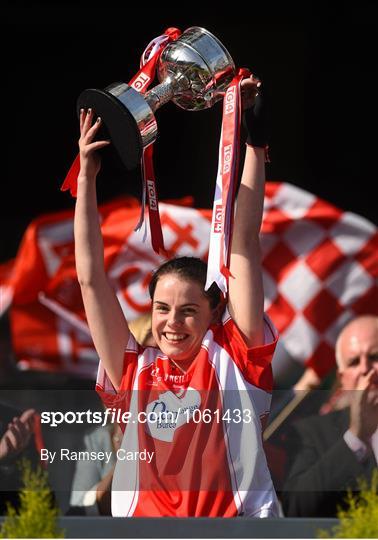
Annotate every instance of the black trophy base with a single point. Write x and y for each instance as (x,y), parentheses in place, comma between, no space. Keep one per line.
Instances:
(118,125)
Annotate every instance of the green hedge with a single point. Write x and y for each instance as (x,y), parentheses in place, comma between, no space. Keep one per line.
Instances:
(37,514)
(360,519)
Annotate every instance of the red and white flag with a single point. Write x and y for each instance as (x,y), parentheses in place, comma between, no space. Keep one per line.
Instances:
(320,267)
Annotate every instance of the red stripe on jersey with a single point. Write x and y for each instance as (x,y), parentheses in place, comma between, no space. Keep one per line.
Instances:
(253,362)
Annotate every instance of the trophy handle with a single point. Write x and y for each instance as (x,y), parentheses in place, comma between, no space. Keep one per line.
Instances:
(166,90)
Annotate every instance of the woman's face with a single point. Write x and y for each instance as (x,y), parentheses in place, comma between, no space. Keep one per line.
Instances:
(181,315)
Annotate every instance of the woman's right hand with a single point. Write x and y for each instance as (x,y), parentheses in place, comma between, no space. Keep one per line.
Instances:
(90,160)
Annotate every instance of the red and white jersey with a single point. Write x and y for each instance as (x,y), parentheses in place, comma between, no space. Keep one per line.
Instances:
(205,458)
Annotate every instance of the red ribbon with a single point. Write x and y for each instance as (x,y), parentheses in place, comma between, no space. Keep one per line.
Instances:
(140,82)
(152,201)
(70,182)
(225,191)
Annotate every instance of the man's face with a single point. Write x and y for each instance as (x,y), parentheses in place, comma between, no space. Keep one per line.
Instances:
(359,353)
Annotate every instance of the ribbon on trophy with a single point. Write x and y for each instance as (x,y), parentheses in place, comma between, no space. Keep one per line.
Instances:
(140,82)
(225,190)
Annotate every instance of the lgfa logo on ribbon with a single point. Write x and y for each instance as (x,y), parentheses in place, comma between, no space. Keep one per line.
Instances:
(229,101)
(227,158)
(218,215)
(140,82)
(152,200)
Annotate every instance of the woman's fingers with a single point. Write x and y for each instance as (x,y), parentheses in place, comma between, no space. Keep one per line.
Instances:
(87,122)
(93,130)
(81,118)
(96,145)
(249,90)
(84,124)
(89,159)
(251,82)
(90,133)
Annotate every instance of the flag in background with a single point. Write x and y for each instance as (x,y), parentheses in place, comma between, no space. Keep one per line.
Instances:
(320,268)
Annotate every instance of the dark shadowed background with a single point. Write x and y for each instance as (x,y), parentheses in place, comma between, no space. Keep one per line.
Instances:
(317,63)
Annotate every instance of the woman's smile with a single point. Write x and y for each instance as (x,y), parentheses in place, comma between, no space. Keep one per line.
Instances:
(174,338)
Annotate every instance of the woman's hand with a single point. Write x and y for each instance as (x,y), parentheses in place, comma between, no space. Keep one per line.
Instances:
(249,91)
(255,113)
(90,160)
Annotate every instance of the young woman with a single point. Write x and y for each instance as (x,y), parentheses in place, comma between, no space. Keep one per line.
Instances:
(210,369)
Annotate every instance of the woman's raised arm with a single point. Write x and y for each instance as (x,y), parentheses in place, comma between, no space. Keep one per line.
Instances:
(246,294)
(106,320)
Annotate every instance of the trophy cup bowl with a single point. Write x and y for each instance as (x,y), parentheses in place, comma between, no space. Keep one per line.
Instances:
(194,72)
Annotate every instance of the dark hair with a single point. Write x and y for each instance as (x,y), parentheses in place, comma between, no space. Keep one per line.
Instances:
(189,268)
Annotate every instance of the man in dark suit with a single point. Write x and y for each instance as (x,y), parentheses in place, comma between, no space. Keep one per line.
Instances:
(329,453)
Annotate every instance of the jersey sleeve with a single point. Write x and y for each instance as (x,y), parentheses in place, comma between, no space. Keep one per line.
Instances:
(104,387)
(253,362)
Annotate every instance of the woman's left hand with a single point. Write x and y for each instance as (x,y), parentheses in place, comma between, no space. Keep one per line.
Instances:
(249,90)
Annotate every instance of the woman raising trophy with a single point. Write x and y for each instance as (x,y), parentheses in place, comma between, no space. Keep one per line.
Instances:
(198,399)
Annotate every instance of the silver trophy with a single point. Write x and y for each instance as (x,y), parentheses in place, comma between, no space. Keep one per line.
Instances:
(194,72)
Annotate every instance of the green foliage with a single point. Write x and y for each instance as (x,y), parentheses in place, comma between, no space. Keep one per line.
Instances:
(37,514)
(360,518)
